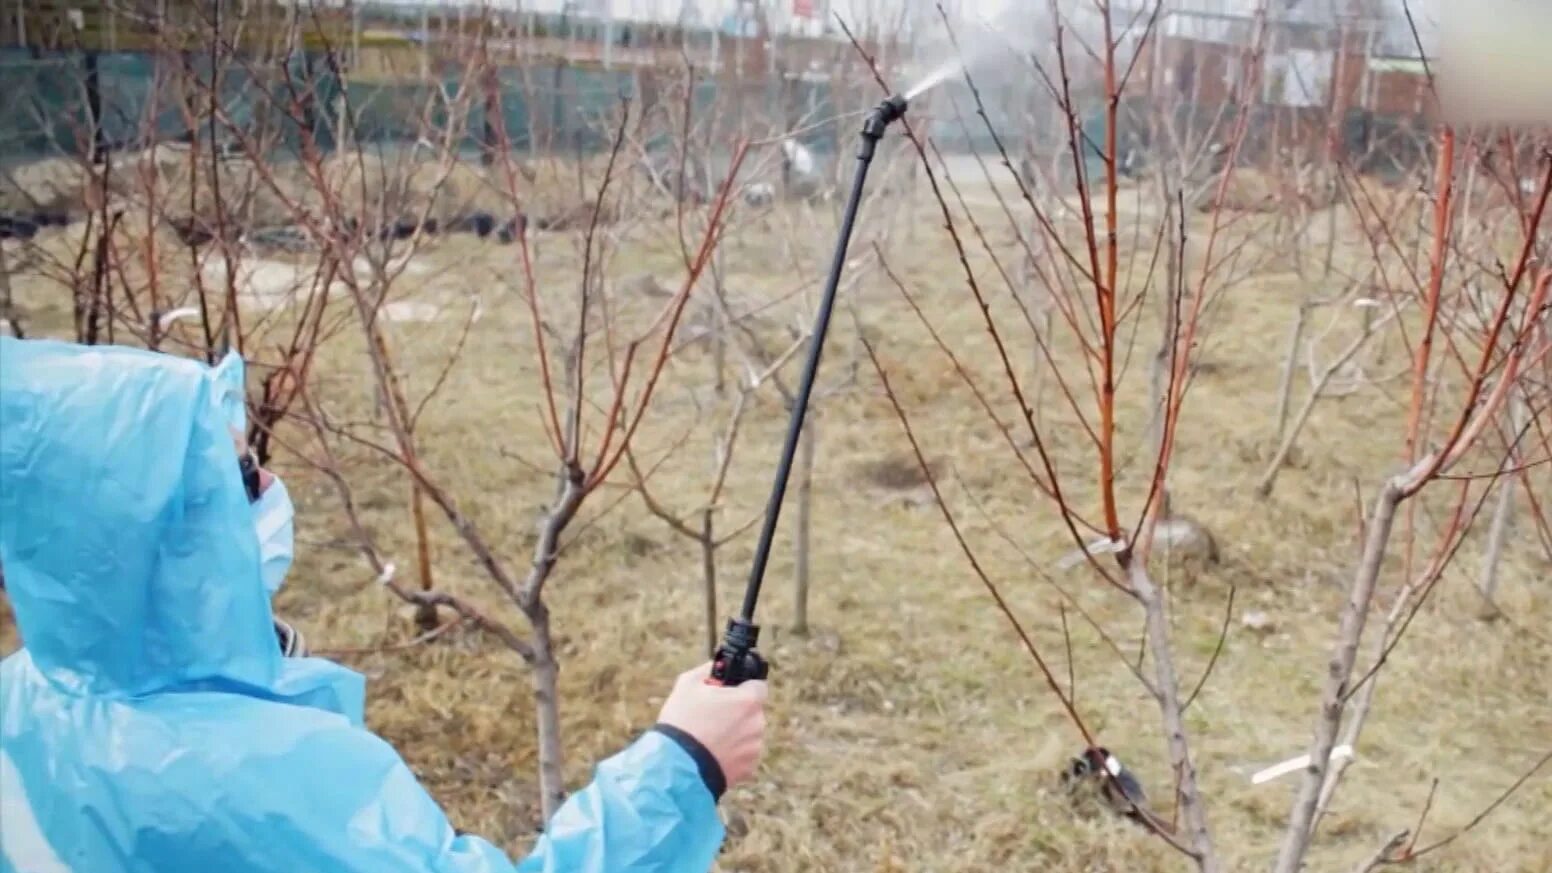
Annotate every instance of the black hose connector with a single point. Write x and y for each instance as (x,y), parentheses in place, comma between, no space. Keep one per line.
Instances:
(887,112)
(737,661)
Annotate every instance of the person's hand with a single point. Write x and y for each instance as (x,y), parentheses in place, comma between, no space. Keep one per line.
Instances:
(240,443)
(729,722)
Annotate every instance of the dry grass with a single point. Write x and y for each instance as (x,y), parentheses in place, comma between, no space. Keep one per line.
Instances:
(53,184)
(382,183)
(909,732)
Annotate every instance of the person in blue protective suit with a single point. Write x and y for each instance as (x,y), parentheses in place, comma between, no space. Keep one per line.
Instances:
(150,723)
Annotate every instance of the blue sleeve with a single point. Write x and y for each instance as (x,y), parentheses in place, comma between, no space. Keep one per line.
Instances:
(351,805)
(647,810)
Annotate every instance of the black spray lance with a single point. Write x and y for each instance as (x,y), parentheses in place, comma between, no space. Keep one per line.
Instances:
(737,660)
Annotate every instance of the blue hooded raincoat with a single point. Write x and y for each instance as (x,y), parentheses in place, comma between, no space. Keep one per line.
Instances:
(150,722)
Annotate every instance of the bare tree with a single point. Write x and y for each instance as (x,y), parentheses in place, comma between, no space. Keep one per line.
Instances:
(590,418)
(1097,303)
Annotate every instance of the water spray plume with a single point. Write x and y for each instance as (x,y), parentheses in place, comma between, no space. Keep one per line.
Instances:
(934,78)
(972,45)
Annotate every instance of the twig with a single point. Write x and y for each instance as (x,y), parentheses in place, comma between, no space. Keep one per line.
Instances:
(1497,802)
(1385,855)
(1072,679)
(1223,636)
(1422,818)
(421,639)
(1026,410)
(969,553)
(1067,596)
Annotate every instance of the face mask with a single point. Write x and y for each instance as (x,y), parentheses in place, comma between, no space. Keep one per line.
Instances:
(272,519)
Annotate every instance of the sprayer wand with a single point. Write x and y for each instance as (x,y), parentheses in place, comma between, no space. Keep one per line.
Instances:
(737,659)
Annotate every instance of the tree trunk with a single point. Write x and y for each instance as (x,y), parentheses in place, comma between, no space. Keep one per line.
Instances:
(1331,232)
(1326,177)
(489,137)
(719,325)
(1280,457)
(94,107)
(426,618)
(709,578)
(552,783)
(1290,366)
(425,47)
(8,313)
(1503,516)
(804,527)
(355,36)
(344,136)
(1163,357)
(1353,729)
(309,96)
(1333,698)
(1158,375)
(1503,513)
(530,599)
(1192,806)
(1039,299)
(1042,373)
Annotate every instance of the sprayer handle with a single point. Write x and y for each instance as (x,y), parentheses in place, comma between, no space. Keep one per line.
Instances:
(737,660)
(737,667)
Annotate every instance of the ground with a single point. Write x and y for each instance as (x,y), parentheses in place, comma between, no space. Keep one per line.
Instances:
(909,731)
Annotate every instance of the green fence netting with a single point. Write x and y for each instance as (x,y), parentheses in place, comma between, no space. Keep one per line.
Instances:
(144,97)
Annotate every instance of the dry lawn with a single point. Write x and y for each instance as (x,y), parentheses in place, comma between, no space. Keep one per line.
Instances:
(909,731)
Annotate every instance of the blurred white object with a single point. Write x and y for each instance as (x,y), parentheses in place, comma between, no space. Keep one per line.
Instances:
(760,194)
(1256,620)
(1299,763)
(1493,65)
(1096,548)
(798,157)
(411,311)
(173,316)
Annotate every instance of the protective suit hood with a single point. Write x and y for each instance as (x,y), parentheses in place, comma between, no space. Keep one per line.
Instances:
(126,455)
(149,723)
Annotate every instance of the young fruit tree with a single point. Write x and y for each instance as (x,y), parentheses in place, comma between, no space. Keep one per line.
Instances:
(598,378)
(1108,486)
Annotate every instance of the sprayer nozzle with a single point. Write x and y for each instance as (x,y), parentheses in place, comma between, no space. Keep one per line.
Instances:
(884,114)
